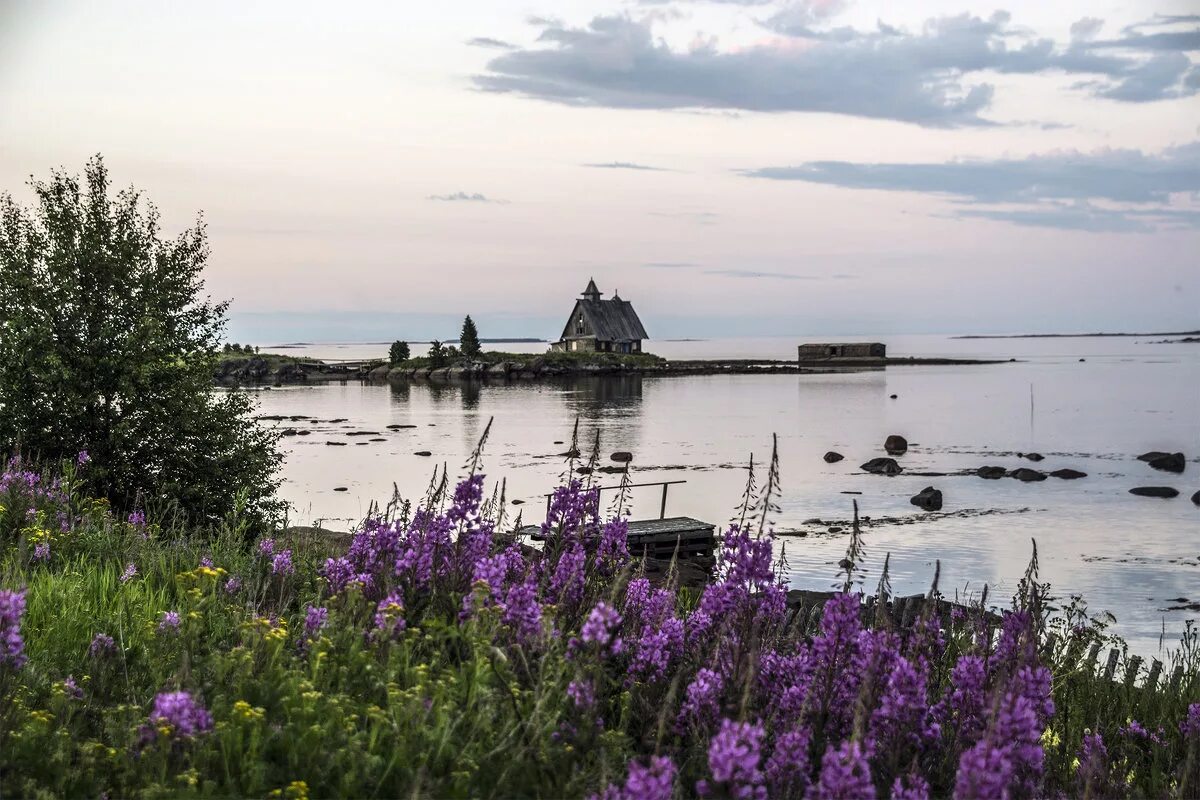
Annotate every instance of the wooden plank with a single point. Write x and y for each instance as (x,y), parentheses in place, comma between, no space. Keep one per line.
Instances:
(1131,670)
(1176,678)
(1092,656)
(1110,668)
(1152,679)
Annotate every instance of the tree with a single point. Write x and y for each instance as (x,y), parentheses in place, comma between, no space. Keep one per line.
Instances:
(468,340)
(398,352)
(107,345)
(436,354)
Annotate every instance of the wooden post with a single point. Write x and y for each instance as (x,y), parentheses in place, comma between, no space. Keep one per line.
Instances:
(1110,668)
(1176,678)
(1093,654)
(1152,678)
(662,511)
(1131,671)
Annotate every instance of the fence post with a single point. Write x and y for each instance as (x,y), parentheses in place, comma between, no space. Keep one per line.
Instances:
(1176,678)
(1131,670)
(1152,679)
(1110,668)
(662,511)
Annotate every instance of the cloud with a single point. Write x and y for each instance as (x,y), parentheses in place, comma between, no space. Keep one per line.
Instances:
(755,274)
(931,77)
(456,197)
(627,165)
(487,41)
(1053,190)
(670,264)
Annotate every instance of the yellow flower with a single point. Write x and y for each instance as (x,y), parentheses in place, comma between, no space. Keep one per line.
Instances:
(1074,765)
(1050,738)
(297,790)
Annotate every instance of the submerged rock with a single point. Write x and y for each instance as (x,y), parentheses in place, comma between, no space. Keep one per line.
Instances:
(883,466)
(422,453)
(1196,498)
(895,445)
(1031,456)
(929,499)
(832,458)
(336,444)
(1027,475)
(1152,455)
(1169,462)
(1164,492)
(991,473)
(341,489)
(1068,474)
(622,456)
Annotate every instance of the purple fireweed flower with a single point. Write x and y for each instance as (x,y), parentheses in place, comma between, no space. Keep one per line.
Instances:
(389,616)
(282,564)
(902,718)
(1093,774)
(655,650)
(136,518)
(653,782)
(266,547)
(181,714)
(521,611)
(233,585)
(206,561)
(572,509)
(962,708)
(984,772)
(845,775)
(601,627)
(1191,723)
(102,645)
(613,550)
(82,458)
(169,623)
(702,704)
(130,572)
(12,646)
(734,754)
(837,663)
(566,584)
(315,618)
(41,552)
(1136,730)
(467,496)
(910,787)
(787,768)
(71,688)
(582,694)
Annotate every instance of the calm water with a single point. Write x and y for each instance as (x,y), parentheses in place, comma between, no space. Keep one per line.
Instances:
(1126,554)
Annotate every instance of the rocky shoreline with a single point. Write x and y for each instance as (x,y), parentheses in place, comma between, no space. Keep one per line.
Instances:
(258,371)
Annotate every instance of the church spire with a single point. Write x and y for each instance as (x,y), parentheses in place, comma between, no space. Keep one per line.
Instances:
(591,292)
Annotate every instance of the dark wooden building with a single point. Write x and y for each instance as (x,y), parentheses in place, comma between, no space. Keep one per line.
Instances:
(603,326)
(825,351)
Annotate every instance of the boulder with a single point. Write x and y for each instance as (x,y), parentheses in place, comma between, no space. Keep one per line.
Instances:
(572,453)
(1031,456)
(1027,475)
(291,373)
(991,473)
(422,453)
(832,458)
(499,370)
(622,456)
(397,375)
(336,444)
(1196,498)
(894,396)
(1152,455)
(442,374)
(882,466)
(1068,474)
(583,470)
(341,489)
(1169,462)
(929,499)
(257,368)
(457,373)
(1155,491)
(288,432)
(379,373)
(895,445)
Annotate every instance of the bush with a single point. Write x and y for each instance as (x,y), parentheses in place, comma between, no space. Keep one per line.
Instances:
(398,353)
(437,355)
(107,346)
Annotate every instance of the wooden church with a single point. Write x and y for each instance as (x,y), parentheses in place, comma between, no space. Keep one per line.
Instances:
(602,326)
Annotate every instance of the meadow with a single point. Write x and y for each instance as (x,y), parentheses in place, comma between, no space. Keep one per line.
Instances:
(436,654)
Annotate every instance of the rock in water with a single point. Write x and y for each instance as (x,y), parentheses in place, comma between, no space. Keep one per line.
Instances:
(1031,456)
(572,453)
(1196,498)
(622,456)
(832,458)
(422,453)
(991,473)
(1169,462)
(1155,491)
(341,489)
(895,445)
(1027,475)
(929,498)
(1153,454)
(1068,474)
(883,466)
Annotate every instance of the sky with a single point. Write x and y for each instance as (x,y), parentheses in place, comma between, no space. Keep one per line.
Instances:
(375,170)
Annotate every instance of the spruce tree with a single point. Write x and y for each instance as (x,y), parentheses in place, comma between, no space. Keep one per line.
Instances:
(468,340)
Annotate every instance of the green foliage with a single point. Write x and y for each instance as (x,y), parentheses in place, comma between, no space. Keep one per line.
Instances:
(468,340)
(437,355)
(107,345)
(398,353)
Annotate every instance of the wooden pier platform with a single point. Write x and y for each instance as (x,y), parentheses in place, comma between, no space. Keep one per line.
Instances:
(682,537)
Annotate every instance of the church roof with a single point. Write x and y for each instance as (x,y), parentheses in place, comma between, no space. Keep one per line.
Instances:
(591,287)
(613,320)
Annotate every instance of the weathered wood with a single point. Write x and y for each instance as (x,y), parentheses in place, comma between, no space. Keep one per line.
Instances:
(814,619)
(1048,647)
(1110,669)
(1131,670)
(1152,679)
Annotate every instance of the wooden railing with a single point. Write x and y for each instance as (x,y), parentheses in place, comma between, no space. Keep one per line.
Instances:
(662,510)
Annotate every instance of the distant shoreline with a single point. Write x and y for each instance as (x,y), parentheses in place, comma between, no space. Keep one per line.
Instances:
(1070,335)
